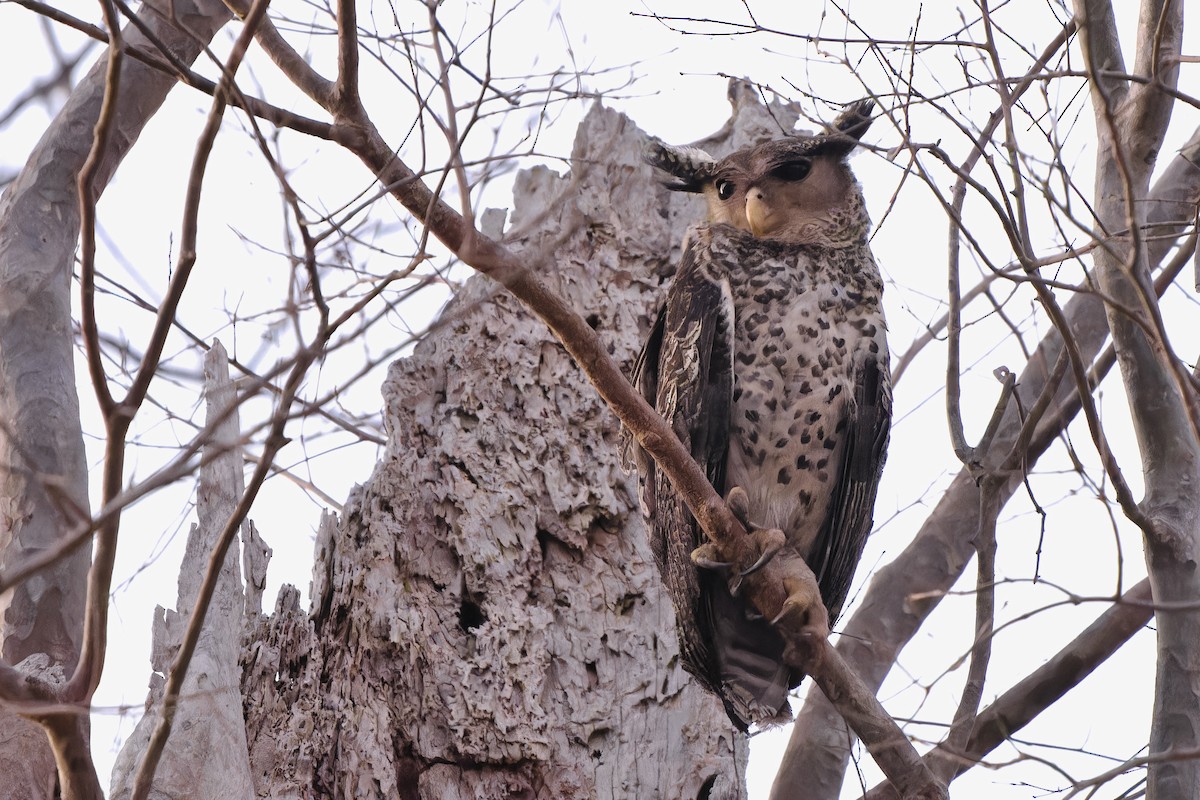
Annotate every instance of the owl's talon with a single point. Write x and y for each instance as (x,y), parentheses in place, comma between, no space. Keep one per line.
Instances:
(803,608)
(789,607)
(706,556)
(771,542)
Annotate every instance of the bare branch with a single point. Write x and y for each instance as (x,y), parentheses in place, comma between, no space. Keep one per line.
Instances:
(1032,695)
(118,417)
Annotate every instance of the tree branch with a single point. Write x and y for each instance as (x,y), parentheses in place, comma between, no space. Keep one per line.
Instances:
(1043,687)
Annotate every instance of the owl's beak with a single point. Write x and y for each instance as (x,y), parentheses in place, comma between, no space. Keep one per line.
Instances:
(758,212)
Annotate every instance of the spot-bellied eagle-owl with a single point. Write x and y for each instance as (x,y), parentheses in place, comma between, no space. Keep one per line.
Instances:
(770,362)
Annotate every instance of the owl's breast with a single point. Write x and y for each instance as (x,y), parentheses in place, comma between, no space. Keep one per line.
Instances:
(802,329)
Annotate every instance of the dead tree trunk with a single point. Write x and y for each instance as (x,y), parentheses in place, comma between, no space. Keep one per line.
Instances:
(486,618)
(210,737)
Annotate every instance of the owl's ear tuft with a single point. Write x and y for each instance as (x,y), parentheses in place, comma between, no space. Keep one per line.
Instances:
(854,119)
(843,134)
(690,165)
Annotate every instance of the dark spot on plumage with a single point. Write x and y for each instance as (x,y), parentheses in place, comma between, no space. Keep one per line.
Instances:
(767,295)
(823,323)
(751,415)
(779,361)
(821,433)
(805,438)
(818,372)
(772,404)
(823,476)
(834,392)
(793,429)
(753,436)
(806,498)
(768,383)
(760,458)
(784,476)
(802,462)
(747,358)
(775,330)
(813,417)
(781,442)
(770,348)
(841,425)
(873,347)
(804,388)
(830,443)
(839,342)
(822,463)
(824,361)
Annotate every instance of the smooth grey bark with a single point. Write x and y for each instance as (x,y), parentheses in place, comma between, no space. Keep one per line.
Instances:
(1131,120)
(207,757)
(486,618)
(819,750)
(41,445)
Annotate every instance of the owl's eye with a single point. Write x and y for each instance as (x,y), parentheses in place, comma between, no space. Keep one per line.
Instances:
(793,170)
(725,189)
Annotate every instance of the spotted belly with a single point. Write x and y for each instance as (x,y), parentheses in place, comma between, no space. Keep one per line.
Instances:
(787,433)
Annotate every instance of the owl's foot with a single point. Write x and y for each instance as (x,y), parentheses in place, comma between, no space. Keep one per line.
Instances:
(803,606)
(749,553)
(802,610)
(803,613)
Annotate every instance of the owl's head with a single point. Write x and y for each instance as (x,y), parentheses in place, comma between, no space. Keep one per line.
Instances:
(795,189)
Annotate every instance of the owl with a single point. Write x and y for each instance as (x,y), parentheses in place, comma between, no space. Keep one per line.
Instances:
(770,361)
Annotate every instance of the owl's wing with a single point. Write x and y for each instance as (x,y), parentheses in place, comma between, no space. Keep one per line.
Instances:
(685,371)
(840,543)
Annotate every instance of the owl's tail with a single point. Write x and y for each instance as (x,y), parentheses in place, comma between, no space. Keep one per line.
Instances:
(754,680)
